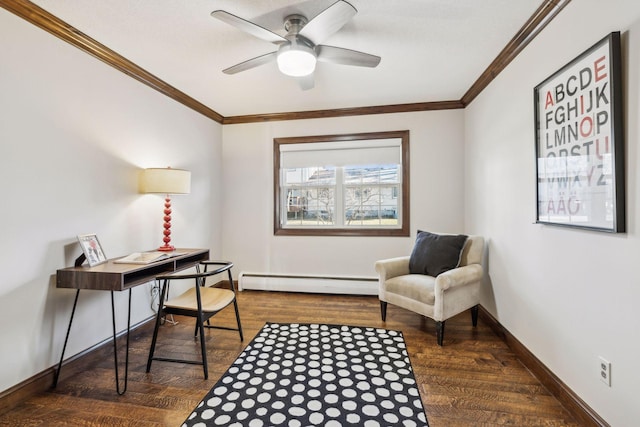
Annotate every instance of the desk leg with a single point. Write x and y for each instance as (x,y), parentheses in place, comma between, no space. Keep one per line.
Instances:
(115,345)
(64,347)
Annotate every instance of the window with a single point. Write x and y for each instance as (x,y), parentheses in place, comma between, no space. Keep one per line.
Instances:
(346,185)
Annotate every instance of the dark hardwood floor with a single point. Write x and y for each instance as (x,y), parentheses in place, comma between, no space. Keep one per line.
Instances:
(473,380)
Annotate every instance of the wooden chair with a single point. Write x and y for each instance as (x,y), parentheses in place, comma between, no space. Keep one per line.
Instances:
(198,301)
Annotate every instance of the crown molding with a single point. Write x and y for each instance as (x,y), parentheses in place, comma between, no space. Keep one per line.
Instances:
(344,112)
(54,25)
(540,19)
(39,17)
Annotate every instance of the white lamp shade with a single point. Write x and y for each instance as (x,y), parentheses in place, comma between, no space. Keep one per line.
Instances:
(165,181)
(296,60)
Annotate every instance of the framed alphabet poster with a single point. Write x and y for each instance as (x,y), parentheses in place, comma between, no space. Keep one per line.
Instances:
(579,142)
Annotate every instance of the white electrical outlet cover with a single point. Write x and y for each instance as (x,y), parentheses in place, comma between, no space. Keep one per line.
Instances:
(605,371)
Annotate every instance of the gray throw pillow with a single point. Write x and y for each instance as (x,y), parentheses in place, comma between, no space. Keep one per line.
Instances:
(434,254)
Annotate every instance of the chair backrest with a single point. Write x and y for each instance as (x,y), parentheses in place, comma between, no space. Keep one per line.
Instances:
(472,251)
(201,276)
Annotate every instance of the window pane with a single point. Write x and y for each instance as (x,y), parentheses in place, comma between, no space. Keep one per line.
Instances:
(321,202)
(296,205)
(371,174)
(309,176)
(369,199)
(309,194)
(370,206)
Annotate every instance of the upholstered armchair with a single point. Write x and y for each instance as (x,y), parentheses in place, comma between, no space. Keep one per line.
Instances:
(438,296)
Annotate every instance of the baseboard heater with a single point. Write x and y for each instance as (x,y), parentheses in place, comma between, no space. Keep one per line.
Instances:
(352,285)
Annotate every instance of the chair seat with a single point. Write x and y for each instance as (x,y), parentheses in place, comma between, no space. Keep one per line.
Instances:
(213,299)
(418,287)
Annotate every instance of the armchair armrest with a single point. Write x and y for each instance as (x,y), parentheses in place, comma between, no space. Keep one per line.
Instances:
(393,267)
(460,276)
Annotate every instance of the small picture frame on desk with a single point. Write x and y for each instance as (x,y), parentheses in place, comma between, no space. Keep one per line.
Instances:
(92,249)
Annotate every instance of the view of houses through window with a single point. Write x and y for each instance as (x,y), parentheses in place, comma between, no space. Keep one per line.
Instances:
(356,184)
(349,196)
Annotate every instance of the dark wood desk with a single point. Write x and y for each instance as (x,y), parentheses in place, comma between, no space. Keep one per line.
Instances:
(112,276)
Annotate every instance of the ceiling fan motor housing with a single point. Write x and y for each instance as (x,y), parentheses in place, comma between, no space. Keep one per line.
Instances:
(294,23)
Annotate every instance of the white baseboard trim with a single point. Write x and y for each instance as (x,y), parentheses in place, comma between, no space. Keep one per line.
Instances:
(308,283)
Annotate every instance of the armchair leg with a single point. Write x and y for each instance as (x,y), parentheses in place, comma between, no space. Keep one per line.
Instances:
(440,332)
(383,310)
(474,315)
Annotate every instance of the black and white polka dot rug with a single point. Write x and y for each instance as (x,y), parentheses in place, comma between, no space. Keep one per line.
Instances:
(316,375)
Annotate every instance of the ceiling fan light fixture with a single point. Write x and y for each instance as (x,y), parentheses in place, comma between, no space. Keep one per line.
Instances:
(296,60)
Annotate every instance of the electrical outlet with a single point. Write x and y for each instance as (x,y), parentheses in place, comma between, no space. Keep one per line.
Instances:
(605,371)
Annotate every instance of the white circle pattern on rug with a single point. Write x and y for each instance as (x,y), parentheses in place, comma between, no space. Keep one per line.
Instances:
(313,374)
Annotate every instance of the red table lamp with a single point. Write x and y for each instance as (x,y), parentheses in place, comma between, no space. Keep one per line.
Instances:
(166,181)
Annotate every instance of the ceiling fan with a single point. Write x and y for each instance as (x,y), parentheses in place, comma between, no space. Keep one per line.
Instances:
(300,48)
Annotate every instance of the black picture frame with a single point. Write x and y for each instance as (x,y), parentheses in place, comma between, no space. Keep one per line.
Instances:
(579,142)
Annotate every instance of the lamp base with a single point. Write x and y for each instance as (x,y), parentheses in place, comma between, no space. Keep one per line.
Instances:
(167,247)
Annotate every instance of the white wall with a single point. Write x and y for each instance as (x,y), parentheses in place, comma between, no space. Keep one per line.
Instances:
(436,180)
(568,295)
(73,135)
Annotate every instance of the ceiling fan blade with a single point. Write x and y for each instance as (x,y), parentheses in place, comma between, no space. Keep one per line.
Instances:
(306,82)
(328,21)
(248,27)
(339,55)
(251,63)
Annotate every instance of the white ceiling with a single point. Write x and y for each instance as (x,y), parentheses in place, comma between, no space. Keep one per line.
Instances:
(432,50)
